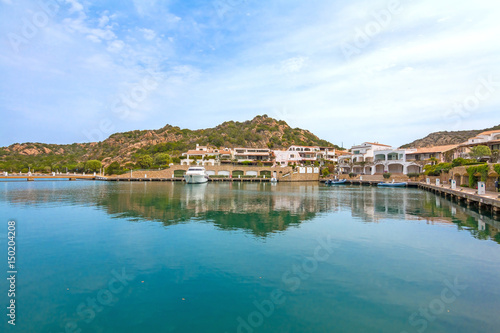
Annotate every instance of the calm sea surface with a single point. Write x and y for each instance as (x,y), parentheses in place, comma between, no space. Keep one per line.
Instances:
(171,257)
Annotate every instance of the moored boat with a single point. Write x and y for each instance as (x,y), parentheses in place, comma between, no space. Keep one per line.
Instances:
(196,175)
(392,184)
(336,182)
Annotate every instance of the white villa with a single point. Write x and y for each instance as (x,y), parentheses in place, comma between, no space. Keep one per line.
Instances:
(488,138)
(361,158)
(252,154)
(301,154)
(202,155)
(395,161)
(374,158)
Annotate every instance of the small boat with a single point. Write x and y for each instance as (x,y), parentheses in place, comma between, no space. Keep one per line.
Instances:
(274,180)
(392,184)
(196,175)
(336,181)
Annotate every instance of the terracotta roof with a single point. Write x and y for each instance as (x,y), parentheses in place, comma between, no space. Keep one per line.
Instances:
(490,132)
(253,154)
(435,149)
(304,146)
(377,144)
(196,152)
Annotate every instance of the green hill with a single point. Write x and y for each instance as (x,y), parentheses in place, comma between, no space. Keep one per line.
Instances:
(126,147)
(446,138)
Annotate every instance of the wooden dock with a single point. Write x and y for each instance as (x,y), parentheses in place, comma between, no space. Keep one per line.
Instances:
(489,202)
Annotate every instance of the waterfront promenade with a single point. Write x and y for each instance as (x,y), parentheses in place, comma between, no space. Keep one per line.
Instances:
(47,177)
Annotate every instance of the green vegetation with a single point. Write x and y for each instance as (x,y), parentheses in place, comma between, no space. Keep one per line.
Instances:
(462,161)
(113,169)
(438,169)
(413,175)
(473,170)
(93,166)
(496,167)
(325,172)
(145,161)
(387,175)
(162,159)
(446,138)
(130,148)
(479,152)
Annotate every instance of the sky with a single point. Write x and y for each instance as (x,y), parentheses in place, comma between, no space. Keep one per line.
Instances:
(348,71)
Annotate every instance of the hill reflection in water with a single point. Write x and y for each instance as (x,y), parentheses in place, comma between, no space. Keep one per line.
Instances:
(259,208)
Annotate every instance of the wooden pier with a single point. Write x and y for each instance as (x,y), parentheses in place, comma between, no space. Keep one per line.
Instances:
(489,202)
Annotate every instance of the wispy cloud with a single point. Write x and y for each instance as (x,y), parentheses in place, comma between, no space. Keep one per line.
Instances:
(256,58)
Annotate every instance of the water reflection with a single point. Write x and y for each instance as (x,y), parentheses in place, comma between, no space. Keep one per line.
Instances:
(258,208)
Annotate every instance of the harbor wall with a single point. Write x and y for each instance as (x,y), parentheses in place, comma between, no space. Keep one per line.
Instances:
(284,174)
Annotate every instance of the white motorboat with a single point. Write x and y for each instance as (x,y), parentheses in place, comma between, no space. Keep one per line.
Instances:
(196,175)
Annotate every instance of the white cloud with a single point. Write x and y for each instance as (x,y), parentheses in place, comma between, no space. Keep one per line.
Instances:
(293,65)
(76,7)
(148,33)
(116,46)
(282,60)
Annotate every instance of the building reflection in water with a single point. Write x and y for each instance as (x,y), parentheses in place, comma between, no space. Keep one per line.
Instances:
(260,208)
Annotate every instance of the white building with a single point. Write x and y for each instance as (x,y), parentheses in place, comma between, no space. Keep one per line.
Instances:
(374,158)
(361,158)
(252,154)
(302,154)
(395,161)
(202,155)
(488,138)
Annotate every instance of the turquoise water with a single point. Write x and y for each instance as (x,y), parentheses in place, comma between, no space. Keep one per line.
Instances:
(171,257)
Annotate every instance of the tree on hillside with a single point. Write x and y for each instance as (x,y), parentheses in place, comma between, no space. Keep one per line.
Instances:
(479,152)
(162,159)
(113,168)
(145,161)
(93,165)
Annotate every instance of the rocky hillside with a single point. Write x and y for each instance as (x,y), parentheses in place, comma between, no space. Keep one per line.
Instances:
(262,131)
(446,138)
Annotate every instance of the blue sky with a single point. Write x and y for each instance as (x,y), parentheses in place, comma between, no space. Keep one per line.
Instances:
(385,71)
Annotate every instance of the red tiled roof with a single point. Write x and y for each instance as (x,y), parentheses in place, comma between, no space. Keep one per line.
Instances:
(377,144)
(196,152)
(489,132)
(435,149)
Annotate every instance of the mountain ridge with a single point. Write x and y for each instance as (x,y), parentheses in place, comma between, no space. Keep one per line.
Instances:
(126,147)
(443,138)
